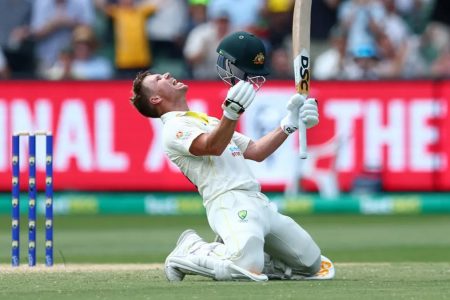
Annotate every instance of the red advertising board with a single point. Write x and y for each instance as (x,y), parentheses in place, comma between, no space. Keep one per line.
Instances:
(102,143)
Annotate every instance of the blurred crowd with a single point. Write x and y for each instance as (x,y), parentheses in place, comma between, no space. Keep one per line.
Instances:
(109,39)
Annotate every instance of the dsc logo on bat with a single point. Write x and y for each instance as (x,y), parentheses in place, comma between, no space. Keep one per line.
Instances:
(302,73)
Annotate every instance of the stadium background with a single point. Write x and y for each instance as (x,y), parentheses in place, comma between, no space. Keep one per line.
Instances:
(376,187)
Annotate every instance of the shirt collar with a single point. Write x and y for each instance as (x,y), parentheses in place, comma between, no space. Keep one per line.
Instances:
(173,114)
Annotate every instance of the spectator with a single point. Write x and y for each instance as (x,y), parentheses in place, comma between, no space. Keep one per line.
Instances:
(52,23)
(330,63)
(281,64)
(441,66)
(132,52)
(403,57)
(392,43)
(61,70)
(244,15)
(4,72)
(202,41)
(362,63)
(167,28)
(439,32)
(197,13)
(278,16)
(324,14)
(407,6)
(392,57)
(363,20)
(87,64)
(394,26)
(439,39)
(433,41)
(416,13)
(15,38)
(81,61)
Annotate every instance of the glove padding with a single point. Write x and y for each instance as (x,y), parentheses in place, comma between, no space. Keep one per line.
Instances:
(300,107)
(309,113)
(239,97)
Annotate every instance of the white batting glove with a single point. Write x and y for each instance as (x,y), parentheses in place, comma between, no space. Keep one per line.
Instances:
(289,123)
(239,97)
(300,107)
(309,113)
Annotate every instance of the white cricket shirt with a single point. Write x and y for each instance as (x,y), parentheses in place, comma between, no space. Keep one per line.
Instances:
(213,175)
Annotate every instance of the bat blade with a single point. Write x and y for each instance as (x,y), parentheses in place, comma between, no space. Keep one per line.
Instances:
(301,30)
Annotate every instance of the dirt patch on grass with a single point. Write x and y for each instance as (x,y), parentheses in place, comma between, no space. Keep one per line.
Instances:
(134,267)
(82,268)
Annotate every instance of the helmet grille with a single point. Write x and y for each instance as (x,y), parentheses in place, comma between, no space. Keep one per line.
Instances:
(231,74)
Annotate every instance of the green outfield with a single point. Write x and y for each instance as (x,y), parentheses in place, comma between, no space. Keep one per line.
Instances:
(377,257)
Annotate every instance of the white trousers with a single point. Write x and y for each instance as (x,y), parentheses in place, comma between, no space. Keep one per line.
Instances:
(250,225)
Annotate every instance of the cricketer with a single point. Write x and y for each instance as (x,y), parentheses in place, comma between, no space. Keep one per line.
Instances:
(255,241)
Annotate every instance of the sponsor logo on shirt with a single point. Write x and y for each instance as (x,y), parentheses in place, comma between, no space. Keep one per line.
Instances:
(182,135)
(235,151)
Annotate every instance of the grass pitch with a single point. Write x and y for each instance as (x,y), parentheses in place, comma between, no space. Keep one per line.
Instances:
(377,257)
(354,281)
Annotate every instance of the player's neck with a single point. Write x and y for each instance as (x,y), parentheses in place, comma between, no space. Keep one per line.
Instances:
(181,106)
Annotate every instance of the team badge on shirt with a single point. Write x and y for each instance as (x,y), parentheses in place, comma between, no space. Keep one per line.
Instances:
(242,215)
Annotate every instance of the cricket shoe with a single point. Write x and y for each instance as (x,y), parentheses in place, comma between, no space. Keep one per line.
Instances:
(326,271)
(183,247)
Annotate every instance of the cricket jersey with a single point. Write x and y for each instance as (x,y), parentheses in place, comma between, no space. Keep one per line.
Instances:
(212,175)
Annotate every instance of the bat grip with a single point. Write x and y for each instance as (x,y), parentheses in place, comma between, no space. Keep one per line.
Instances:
(303,149)
(303,145)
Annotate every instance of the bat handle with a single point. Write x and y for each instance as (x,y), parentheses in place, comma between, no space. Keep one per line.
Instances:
(303,149)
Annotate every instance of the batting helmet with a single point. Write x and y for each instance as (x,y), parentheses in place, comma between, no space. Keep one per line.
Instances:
(242,56)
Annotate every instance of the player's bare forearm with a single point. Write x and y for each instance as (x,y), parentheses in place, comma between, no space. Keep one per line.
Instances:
(214,142)
(261,149)
(239,97)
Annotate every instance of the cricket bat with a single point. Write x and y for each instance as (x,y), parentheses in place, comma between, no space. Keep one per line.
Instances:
(301,24)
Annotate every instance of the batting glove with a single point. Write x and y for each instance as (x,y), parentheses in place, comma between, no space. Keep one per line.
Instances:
(300,107)
(289,123)
(239,97)
(309,113)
